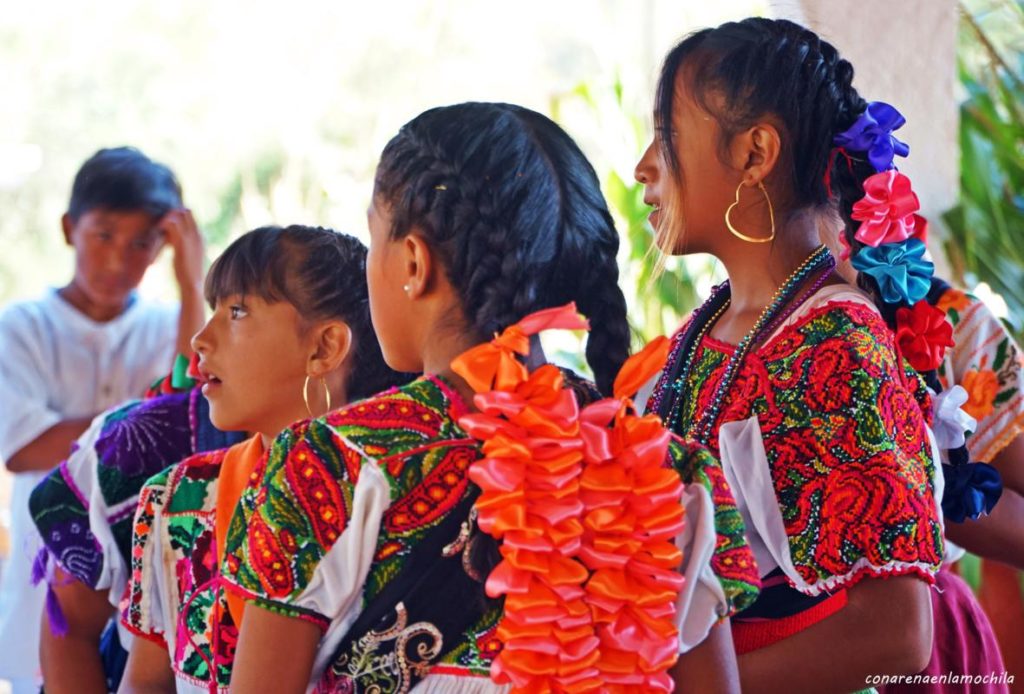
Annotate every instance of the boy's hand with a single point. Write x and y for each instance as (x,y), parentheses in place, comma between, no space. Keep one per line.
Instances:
(183,235)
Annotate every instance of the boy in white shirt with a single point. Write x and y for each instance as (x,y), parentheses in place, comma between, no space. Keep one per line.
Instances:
(81,349)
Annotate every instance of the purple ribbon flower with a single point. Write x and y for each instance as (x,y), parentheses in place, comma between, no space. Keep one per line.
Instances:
(872,133)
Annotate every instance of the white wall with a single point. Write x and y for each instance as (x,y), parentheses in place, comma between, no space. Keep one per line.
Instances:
(903,53)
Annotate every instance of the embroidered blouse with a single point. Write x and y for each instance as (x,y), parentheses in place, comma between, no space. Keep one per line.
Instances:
(175,597)
(84,508)
(988,363)
(824,444)
(345,499)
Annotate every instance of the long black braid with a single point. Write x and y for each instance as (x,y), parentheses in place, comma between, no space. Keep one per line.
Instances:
(515,212)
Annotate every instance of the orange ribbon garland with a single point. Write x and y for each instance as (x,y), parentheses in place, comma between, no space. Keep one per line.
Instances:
(587,511)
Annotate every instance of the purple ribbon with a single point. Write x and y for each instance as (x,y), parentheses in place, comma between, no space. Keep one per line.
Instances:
(872,133)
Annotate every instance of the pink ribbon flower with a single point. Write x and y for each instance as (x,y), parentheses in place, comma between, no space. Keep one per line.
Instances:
(886,212)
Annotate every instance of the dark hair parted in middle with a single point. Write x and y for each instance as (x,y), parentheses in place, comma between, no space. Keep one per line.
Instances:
(322,273)
(515,212)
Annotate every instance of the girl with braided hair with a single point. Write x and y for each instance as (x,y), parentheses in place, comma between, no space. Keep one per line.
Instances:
(791,375)
(357,548)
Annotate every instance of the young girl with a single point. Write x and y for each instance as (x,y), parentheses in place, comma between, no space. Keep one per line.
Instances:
(349,549)
(84,511)
(790,374)
(289,335)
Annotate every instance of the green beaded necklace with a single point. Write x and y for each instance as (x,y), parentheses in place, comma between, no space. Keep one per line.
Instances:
(771,316)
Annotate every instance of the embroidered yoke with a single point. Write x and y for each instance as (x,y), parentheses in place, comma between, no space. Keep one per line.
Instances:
(174,598)
(824,444)
(346,498)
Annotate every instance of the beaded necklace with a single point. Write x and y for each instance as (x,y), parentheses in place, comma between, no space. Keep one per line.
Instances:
(778,310)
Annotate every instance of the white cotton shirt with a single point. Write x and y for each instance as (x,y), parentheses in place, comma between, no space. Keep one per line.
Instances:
(56,364)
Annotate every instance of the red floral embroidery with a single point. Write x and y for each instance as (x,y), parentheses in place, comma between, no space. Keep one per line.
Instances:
(861,503)
(901,416)
(829,367)
(843,429)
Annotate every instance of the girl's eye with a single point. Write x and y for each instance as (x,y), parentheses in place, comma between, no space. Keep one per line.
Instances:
(238,311)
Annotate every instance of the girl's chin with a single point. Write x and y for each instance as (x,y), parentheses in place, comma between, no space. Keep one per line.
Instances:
(224,420)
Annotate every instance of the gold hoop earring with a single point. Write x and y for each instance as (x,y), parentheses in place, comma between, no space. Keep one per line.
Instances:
(305,394)
(771,216)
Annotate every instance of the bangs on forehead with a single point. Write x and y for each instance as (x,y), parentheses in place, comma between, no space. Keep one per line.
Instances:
(256,264)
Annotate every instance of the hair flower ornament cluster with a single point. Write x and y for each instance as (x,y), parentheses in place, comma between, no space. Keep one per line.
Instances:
(892,254)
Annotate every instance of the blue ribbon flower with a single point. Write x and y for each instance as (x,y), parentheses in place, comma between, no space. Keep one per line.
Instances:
(971,490)
(872,133)
(902,273)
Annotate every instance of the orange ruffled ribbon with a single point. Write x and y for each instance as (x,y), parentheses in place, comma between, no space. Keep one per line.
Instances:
(586,509)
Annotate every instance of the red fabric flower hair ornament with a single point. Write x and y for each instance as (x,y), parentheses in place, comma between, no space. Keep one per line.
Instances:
(923,335)
(587,511)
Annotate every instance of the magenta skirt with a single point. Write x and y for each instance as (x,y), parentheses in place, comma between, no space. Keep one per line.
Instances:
(963,644)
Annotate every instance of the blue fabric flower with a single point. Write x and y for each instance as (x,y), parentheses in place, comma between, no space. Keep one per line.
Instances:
(872,133)
(902,273)
(971,490)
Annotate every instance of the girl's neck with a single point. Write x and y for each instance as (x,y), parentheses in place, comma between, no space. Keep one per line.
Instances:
(756,271)
(438,354)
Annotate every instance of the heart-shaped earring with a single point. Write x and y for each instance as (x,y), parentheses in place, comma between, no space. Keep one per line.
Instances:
(771,216)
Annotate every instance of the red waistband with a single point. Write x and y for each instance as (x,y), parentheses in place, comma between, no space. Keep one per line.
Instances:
(752,635)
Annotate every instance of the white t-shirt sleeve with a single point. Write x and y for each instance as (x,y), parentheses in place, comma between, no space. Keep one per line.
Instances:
(24,396)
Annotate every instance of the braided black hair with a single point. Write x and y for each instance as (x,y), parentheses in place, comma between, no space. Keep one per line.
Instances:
(741,72)
(514,211)
(322,273)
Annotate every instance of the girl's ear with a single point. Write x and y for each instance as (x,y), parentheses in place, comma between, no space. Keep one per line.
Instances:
(419,266)
(332,343)
(755,152)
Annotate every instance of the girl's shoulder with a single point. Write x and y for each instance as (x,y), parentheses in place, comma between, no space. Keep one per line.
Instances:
(395,421)
(838,315)
(189,478)
(838,305)
(145,436)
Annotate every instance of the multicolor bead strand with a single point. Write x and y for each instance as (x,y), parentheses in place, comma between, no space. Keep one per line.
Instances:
(780,300)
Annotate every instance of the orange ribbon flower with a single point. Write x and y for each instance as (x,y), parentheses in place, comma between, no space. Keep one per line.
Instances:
(587,511)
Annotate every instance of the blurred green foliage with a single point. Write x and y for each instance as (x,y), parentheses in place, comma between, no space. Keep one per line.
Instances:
(986,242)
(658,300)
